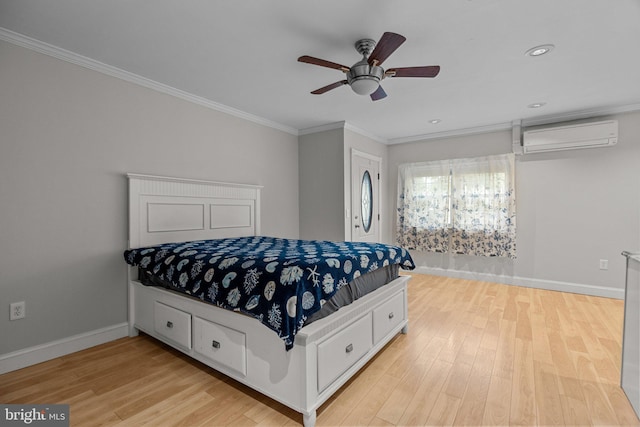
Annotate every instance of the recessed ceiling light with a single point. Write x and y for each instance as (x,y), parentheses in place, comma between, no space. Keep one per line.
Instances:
(537,105)
(435,121)
(539,50)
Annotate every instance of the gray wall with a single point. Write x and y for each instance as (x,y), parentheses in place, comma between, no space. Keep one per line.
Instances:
(67,137)
(573,209)
(325,181)
(321,185)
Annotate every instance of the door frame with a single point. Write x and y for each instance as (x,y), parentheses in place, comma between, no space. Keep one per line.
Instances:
(350,221)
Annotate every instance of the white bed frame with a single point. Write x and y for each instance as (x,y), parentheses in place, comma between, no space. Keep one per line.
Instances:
(326,353)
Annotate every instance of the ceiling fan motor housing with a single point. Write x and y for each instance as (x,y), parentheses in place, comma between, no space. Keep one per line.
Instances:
(363,78)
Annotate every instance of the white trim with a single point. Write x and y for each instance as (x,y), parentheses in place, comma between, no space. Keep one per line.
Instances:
(583,114)
(366,156)
(41,353)
(527,282)
(321,128)
(190,180)
(349,235)
(572,115)
(363,132)
(451,133)
(83,61)
(342,125)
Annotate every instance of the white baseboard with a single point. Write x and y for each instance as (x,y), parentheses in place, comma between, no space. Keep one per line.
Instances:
(550,285)
(41,353)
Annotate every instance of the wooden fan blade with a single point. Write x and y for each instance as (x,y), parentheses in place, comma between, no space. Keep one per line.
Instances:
(323,63)
(388,43)
(327,88)
(378,94)
(429,71)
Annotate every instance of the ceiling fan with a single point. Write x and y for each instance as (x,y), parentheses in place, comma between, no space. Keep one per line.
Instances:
(365,76)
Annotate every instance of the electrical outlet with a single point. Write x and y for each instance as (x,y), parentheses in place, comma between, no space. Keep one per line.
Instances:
(17,310)
(604,264)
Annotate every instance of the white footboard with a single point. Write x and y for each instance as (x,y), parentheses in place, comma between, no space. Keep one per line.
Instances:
(325,355)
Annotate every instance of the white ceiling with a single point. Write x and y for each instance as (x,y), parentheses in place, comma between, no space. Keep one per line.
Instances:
(242,56)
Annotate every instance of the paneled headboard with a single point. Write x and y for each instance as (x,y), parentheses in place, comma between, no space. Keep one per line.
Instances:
(165,209)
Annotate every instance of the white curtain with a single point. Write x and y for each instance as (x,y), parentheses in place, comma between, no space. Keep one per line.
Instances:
(462,206)
(424,206)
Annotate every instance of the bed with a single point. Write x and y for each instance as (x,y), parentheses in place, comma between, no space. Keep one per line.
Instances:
(285,351)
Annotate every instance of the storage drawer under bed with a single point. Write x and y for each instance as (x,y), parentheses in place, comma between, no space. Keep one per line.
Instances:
(221,344)
(172,324)
(343,350)
(387,316)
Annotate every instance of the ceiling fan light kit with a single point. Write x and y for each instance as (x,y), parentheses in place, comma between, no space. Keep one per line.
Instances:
(365,76)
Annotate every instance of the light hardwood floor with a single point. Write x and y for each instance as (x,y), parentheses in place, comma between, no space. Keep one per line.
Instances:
(476,353)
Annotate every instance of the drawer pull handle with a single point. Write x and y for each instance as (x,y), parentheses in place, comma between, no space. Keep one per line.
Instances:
(169,324)
(349,348)
(215,344)
(391,315)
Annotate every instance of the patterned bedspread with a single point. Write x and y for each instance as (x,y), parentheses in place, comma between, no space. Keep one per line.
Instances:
(278,281)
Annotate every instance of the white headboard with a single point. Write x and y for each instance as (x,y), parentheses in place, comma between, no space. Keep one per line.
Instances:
(164,209)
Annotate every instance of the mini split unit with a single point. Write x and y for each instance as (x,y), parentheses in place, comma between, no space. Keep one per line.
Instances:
(570,136)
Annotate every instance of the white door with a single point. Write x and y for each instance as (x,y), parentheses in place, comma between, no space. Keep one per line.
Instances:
(365,197)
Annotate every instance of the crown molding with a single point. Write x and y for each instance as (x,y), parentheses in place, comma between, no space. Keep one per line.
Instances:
(322,128)
(342,125)
(74,58)
(581,114)
(452,133)
(364,133)
(553,118)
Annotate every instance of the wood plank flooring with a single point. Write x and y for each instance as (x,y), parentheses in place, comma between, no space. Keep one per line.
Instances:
(476,353)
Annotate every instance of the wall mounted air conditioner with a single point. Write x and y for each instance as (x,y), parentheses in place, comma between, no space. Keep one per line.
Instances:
(570,137)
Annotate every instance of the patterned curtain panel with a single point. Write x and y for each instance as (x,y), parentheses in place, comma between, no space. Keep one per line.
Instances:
(424,206)
(484,206)
(462,206)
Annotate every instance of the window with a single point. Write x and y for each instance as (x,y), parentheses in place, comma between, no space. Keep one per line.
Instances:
(462,206)
(366,202)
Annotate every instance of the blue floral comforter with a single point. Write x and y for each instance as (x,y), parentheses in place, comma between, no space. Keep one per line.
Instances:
(278,281)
